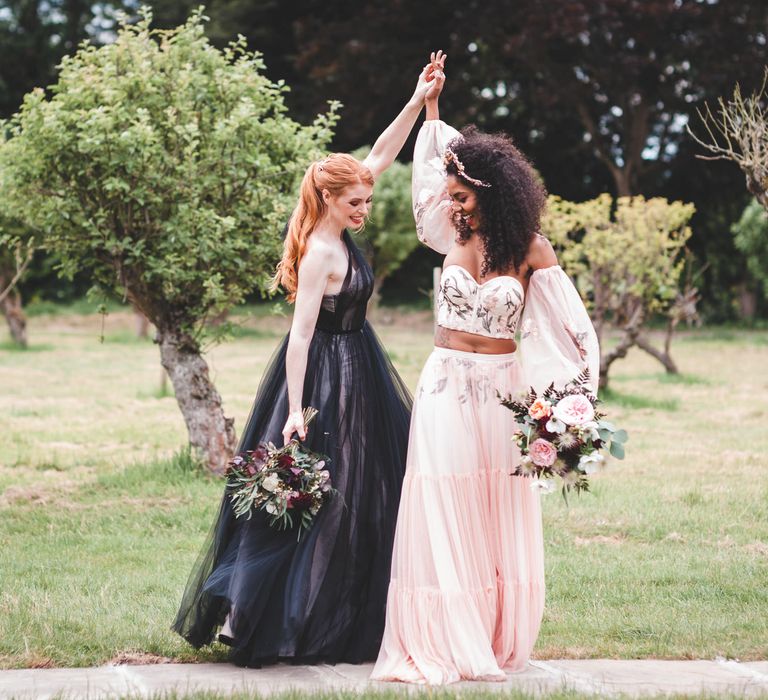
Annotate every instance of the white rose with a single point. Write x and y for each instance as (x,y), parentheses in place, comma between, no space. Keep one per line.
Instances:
(271,509)
(271,482)
(555,425)
(590,430)
(591,463)
(543,486)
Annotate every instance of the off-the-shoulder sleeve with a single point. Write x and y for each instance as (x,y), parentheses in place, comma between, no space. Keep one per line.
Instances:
(431,205)
(557,337)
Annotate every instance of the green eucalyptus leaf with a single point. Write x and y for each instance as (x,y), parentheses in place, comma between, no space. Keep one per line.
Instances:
(620,436)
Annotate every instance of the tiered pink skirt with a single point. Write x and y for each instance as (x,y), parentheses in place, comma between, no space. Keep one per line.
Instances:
(467,590)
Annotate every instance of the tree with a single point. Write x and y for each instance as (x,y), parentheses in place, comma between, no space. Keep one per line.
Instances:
(390,231)
(17,248)
(751,238)
(164,167)
(739,132)
(627,262)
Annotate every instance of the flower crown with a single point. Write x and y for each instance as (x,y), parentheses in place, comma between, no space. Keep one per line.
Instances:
(449,156)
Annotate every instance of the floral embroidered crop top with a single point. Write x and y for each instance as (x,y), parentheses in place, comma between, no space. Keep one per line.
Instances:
(491,309)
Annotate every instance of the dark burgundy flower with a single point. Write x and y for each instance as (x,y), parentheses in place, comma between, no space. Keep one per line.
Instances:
(285,461)
(302,501)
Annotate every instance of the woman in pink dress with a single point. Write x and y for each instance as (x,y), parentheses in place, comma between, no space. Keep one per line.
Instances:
(466,595)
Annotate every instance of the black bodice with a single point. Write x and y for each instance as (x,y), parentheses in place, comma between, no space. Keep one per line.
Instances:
(345,312)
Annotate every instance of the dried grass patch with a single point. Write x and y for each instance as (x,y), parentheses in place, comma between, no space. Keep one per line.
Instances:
(599,539)
(137,658)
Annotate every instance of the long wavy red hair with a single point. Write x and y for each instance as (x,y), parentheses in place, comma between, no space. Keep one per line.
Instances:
(334,173)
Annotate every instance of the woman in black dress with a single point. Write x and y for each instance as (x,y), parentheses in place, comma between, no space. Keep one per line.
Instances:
(321,599)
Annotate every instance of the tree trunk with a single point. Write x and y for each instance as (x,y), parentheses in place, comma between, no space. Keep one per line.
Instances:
(756,185)
(600,303)
(375,310)
(621,174)
(219,319)
(631,332)
(747,302)
(211,433)
(373,302)
(13,311)
(623,181)
(684,309)
(142,324)
(662,356)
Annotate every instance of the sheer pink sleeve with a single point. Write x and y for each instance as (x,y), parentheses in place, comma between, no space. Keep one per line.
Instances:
(431,205)
(557,338)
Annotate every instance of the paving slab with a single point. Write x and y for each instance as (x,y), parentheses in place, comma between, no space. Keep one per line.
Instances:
(760,668)
(658,677)
(603,677)
(103,682)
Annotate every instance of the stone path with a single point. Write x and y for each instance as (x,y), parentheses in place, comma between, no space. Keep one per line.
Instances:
(604,677)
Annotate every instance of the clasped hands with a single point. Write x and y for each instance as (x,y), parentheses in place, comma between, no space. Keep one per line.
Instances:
(431,79)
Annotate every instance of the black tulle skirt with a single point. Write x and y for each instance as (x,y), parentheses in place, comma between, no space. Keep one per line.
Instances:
(322,598)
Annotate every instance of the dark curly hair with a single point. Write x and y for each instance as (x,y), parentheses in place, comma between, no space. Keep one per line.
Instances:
(511,208)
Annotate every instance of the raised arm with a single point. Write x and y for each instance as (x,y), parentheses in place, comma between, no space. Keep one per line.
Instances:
(313,277)
(431,204)
(391,141)
(437,60)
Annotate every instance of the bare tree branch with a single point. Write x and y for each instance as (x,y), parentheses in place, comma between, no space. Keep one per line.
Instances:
(739,132)
(22,263)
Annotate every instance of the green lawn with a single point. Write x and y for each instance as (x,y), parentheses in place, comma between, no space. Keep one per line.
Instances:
(102,515)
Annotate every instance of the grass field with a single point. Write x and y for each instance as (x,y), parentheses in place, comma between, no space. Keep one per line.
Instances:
(102,514)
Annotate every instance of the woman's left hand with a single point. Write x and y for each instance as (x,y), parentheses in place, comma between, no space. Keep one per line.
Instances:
(294,424)
(430,73)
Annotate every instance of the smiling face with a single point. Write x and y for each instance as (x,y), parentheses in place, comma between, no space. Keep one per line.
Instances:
(350,208)
(464,201)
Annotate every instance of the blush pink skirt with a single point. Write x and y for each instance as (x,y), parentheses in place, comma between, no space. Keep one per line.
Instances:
(466,595)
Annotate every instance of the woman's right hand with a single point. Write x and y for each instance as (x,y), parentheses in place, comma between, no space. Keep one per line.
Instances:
(294,424)
(436,72)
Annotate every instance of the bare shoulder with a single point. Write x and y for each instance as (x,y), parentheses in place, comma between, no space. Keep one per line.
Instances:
(540,253)
(317,256)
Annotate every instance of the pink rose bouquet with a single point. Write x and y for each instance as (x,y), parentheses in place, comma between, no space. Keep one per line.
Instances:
(562,434)
(288,483)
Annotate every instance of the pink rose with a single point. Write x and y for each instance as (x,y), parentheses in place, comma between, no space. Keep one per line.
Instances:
(540,408)
(575,409)
(542,452)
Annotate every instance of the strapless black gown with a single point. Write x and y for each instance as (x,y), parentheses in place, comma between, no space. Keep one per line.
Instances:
(321,599)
